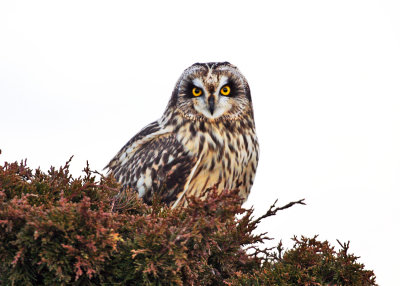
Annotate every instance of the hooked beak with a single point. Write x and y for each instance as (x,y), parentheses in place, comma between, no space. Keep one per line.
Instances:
(211,102)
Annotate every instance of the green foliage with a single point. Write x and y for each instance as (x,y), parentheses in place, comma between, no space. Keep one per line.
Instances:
(309,262)
(56,229)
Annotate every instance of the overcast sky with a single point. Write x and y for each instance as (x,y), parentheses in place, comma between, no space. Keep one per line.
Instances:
(82,77)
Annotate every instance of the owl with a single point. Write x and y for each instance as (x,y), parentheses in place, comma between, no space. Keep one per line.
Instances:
(205,138)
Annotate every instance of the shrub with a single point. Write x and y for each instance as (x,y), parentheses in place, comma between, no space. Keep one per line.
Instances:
(56,229)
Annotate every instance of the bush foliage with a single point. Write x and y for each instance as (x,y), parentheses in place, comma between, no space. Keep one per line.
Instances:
(56,229)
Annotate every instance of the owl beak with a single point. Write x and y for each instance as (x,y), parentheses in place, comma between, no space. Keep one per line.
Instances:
(211,102)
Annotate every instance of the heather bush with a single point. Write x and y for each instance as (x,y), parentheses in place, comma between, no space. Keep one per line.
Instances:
(56,229)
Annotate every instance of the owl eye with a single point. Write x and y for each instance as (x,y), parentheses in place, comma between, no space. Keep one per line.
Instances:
(225,90)
(196,91)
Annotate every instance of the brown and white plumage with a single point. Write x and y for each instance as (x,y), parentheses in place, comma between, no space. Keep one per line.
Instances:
(205,137)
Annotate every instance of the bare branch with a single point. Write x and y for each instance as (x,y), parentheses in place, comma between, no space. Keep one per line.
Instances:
(273,209)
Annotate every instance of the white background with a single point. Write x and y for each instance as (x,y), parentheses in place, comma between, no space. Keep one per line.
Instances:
(81,78)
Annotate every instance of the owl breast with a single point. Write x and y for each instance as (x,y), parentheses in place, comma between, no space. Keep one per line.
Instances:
(226,156)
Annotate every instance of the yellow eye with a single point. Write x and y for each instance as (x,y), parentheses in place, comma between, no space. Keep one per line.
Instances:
(226,90)
(196,91)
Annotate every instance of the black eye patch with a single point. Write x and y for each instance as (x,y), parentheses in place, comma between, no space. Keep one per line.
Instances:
(234,91)
(192,90)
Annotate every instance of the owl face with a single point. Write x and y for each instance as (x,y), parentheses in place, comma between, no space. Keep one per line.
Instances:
(212,91)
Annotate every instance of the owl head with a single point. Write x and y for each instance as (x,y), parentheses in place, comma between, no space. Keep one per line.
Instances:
(211,92)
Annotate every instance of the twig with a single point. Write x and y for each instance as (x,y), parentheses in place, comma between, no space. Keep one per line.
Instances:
(273,210)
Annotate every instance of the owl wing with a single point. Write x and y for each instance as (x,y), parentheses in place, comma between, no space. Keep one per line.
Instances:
(153,161)
(135,141)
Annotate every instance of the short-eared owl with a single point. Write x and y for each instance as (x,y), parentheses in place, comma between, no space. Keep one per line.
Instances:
(205,137)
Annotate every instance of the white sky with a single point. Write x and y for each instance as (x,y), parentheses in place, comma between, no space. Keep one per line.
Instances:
(82,77)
